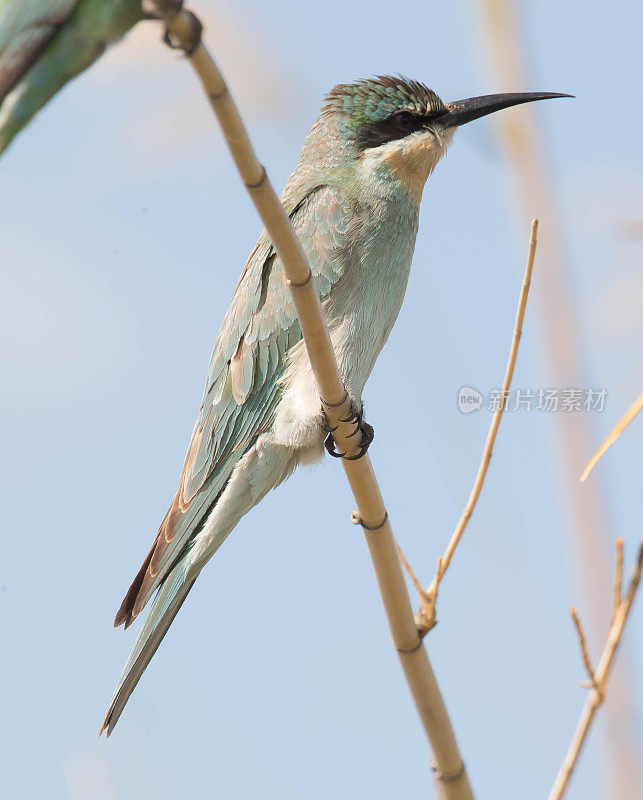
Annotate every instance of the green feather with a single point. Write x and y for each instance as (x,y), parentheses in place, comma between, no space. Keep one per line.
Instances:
(375,99)
(62,52)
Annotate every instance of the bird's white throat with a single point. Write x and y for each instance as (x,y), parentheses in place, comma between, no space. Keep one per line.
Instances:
(410,160)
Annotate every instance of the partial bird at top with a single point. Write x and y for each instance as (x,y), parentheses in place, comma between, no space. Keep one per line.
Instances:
(354,202)
(46,43)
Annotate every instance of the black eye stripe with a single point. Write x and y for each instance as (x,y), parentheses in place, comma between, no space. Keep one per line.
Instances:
(397,126)
(404,119)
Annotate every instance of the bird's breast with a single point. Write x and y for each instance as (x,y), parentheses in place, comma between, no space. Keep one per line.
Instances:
(364,304)
(360,310)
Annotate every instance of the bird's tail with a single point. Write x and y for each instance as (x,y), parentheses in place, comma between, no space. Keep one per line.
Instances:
(257,473)
(166,606)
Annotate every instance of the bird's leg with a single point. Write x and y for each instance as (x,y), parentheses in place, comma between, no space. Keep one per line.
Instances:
(363,428)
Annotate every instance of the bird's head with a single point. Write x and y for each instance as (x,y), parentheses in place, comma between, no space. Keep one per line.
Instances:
(403,126)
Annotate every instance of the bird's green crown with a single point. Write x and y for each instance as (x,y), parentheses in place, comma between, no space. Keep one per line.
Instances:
(377,110)
(374,99)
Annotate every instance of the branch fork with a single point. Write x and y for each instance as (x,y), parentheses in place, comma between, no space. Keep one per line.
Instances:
(598,678)
(425,618)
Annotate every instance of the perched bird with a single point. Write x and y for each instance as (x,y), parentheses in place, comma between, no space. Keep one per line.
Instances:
(46,43)
(354,202)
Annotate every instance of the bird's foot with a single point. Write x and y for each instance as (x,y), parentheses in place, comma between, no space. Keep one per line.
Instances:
(363,428)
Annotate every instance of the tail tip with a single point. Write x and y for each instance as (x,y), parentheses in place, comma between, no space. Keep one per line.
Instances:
(124,618)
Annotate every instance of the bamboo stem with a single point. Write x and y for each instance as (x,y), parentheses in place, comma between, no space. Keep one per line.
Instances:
(598,677)
(452,782)
(426,616)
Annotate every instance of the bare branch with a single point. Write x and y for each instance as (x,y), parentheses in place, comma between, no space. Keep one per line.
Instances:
(613,435)
(600,677)
(452,783)
(412,576)
(618,578)
(426,616)
(582,643)
(527,160)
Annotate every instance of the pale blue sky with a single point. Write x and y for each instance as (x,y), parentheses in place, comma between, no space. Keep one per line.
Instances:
(123,231)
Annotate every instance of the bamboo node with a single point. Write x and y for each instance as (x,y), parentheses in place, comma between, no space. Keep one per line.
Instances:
(440,776)
(193,38)
(214,96)
(357,520)
(301,284)
(262,180)
(409,650)
(336,405)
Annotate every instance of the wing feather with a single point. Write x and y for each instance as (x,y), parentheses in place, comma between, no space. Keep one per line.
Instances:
(242,387)
(26,27)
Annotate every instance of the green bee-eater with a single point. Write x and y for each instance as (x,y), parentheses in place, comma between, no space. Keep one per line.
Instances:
(354,201)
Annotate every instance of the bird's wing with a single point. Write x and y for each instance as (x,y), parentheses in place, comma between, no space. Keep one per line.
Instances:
(243,379)
(26,26)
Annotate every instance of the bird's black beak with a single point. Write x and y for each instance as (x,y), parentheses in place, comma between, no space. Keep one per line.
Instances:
(460,112)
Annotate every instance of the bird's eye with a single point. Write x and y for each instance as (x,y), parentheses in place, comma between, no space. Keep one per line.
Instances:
(405,120)
(396,126)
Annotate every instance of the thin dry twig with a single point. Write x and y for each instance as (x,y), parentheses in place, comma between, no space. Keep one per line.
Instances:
(523,148)
(582,643)
(414,580)
(613,435)
(452,783)
(600,676)
(618,577)
(426,616)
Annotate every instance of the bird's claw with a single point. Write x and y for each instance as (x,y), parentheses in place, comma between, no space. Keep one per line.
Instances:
(368,434)
(363,428)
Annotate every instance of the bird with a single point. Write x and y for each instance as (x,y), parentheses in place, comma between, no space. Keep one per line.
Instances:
(353,200)
(46,43)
